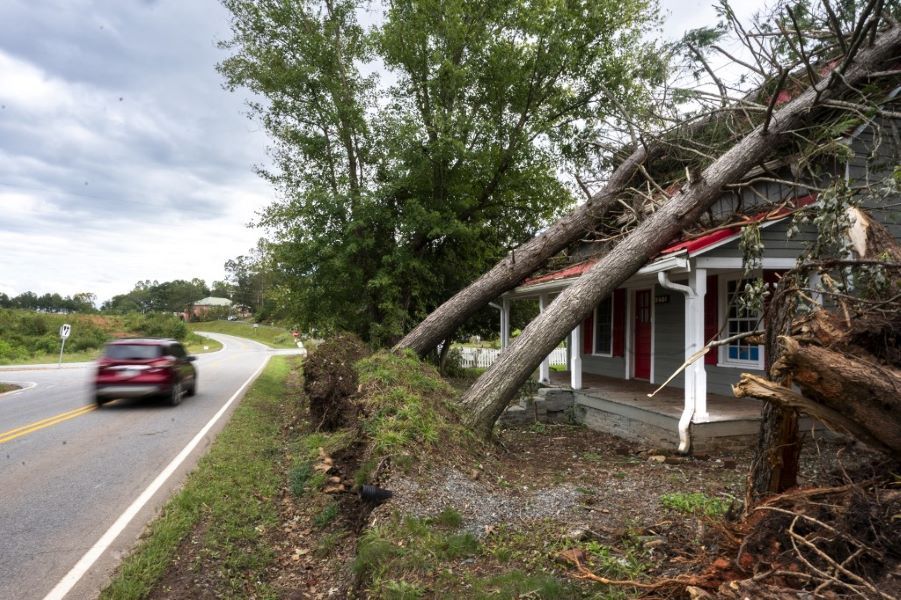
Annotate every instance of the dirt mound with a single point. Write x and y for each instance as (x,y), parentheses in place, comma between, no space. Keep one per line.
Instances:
(330,380)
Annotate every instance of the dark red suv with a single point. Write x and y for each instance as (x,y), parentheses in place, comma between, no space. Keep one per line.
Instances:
(135,368)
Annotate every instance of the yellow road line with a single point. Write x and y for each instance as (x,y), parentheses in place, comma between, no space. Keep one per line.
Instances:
(12,434)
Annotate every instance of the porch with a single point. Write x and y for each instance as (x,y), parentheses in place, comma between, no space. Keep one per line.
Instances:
(622,408)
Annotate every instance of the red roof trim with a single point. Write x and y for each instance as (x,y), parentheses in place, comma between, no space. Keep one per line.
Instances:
(692,246)
(706,240)
(575,270)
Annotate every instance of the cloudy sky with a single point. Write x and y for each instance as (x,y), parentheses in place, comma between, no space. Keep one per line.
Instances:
(121,156)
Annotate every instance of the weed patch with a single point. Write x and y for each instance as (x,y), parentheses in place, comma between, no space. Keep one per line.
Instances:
(407,549)
(695,503)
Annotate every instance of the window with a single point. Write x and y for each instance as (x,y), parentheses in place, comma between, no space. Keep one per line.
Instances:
(739,352)
(603,327)
(132,351)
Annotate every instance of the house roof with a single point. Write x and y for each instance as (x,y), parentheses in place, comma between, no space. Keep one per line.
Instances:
(704,241)
(213,301)
(693,246)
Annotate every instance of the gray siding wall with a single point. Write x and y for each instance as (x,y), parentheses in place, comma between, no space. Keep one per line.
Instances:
(749,199)
(720,379)
(601,365)
(775,241)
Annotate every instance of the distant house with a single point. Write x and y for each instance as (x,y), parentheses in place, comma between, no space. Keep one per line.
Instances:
(638,337)
(202,307)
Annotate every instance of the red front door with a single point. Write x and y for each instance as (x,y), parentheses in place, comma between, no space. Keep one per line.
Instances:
(642,334)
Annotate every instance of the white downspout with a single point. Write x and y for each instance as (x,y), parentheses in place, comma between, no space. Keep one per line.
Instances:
(688,410)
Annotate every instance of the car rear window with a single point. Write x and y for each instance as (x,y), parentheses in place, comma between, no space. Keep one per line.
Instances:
(132,351)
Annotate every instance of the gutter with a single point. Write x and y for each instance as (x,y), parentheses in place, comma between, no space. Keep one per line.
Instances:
(688,411)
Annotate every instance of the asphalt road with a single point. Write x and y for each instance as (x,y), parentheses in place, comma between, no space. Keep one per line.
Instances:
(69,470)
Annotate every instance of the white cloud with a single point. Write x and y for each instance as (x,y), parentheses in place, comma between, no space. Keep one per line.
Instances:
(121,157)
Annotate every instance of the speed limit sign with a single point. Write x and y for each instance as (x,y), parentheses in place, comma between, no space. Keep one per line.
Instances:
(65,330)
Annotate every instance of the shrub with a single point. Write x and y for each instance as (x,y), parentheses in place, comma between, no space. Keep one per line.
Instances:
(330,379)
(158,325)
(453,364)
(8,352)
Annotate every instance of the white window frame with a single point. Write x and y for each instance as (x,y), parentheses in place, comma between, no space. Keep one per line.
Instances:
(594,331)
(723,359)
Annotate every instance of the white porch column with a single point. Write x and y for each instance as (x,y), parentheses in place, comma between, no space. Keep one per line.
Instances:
(505,323)
(696,374)
(544,371)
(575,361)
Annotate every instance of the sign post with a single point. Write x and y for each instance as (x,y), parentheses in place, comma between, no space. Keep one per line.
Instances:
(64,332)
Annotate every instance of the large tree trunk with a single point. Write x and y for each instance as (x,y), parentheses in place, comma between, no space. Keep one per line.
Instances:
(490,394)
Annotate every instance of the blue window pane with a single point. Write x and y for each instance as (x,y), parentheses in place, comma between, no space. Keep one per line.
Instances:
(755,353)
(733,352)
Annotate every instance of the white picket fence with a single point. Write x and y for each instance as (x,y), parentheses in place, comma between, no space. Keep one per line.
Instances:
(484,357)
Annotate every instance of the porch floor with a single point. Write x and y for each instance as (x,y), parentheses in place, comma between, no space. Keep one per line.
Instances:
(669,401)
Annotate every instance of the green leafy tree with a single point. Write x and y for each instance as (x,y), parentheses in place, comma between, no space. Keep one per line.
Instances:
(395,194)
(249,278)
(168,296)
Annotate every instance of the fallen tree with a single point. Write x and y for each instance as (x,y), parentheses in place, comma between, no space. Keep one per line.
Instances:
(489,396)
(521,261)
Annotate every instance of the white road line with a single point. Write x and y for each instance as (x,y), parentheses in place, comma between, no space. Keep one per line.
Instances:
(66,584)
(26,385)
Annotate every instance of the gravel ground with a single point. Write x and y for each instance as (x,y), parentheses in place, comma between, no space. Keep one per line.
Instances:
(570,475)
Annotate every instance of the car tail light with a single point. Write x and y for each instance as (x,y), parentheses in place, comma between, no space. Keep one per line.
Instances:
(161,365)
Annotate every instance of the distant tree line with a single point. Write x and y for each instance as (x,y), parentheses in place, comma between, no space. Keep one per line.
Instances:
(83,302)
(247,283)
(155,296)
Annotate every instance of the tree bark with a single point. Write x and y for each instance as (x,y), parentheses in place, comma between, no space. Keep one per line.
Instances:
(857,387)
(752,386)
(490,394)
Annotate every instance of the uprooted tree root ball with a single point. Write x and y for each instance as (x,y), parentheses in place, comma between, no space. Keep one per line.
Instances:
(831,542)
(330,380)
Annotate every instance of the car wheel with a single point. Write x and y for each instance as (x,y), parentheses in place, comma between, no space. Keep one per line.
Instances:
(99,401)
(193,389)
(175,394)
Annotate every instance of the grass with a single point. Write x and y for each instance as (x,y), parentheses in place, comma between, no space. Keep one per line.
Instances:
(395,555)
(7,387)
(407,557)
(274,337)
(194,344)
(409,406)
(28,337)
(198,344)
(695,503)
(228,497)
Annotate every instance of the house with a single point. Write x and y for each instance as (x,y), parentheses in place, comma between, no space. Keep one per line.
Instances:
(203,307)
(662,316)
